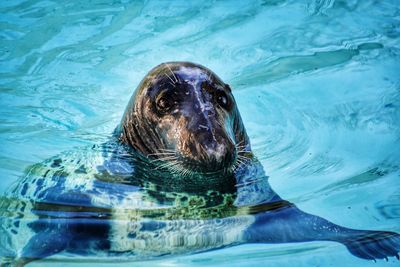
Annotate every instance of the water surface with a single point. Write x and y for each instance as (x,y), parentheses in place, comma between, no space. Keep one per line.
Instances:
(317,84)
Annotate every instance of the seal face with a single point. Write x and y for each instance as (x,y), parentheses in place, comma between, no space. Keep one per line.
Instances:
(183,115)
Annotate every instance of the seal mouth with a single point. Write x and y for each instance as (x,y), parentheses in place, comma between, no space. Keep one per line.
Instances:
(209,168)
(175,163)
(189,169)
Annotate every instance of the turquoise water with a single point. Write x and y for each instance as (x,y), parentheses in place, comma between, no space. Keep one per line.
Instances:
(317,84)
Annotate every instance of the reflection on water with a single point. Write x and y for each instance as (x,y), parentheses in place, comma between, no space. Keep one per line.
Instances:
(316,82)
(95,196)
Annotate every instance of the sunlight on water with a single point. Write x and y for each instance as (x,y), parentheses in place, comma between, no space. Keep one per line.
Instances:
(317,84)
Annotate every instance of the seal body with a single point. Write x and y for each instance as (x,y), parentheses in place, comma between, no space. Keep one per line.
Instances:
(91,214)
(178,176)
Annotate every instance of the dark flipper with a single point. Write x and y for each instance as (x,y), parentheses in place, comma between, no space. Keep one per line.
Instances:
(373,245)
(44,244)
(66,222)
(289,224)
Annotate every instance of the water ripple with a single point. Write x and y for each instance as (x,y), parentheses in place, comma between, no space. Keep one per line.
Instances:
(317,85)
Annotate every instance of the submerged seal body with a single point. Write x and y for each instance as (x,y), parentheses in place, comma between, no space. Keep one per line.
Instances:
(178,176)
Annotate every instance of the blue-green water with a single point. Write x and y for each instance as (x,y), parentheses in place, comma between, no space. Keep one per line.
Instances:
(317,84)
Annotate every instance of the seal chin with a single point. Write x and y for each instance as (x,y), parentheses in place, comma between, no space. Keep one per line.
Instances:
(199,170)
(190,166)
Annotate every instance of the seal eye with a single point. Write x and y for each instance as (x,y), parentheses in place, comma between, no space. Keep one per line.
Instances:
(223,99)
(163,104)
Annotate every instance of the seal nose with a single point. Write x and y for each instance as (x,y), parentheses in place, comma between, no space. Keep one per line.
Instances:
(218,154)
(219,158)
(210,145)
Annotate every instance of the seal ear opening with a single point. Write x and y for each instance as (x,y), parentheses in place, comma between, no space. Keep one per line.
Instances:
(227,86)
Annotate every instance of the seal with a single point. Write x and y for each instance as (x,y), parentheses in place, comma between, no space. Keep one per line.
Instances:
(178,176)
(185,109)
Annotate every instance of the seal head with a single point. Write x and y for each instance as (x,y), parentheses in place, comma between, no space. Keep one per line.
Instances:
(183,115)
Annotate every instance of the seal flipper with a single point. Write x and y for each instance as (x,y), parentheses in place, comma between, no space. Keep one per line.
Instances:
(289,224)
(67,221)
(52,232)
(44,244)
(373,245)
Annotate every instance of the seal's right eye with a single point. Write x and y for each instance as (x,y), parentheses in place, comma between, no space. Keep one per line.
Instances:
(163,104)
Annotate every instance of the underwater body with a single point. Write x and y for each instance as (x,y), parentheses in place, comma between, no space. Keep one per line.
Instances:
(290,139)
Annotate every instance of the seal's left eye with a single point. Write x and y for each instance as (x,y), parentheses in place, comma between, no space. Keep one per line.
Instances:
(223,99)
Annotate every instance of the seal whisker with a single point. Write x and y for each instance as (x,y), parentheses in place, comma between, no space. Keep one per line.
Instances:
(236,164)
(219,123)
(179,170)
(173,169)
(242,151)
(168,157)
(160,154)
(242,161)
(164,155)
(164,159)
(189,172)
(242,146)
(171,164)
(173,74)
(164,164)
(173,82)
(239,162)
(183,172)
(243,158)
(167,150)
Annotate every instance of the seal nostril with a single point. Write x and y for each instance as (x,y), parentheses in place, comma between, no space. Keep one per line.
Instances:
(220,156)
